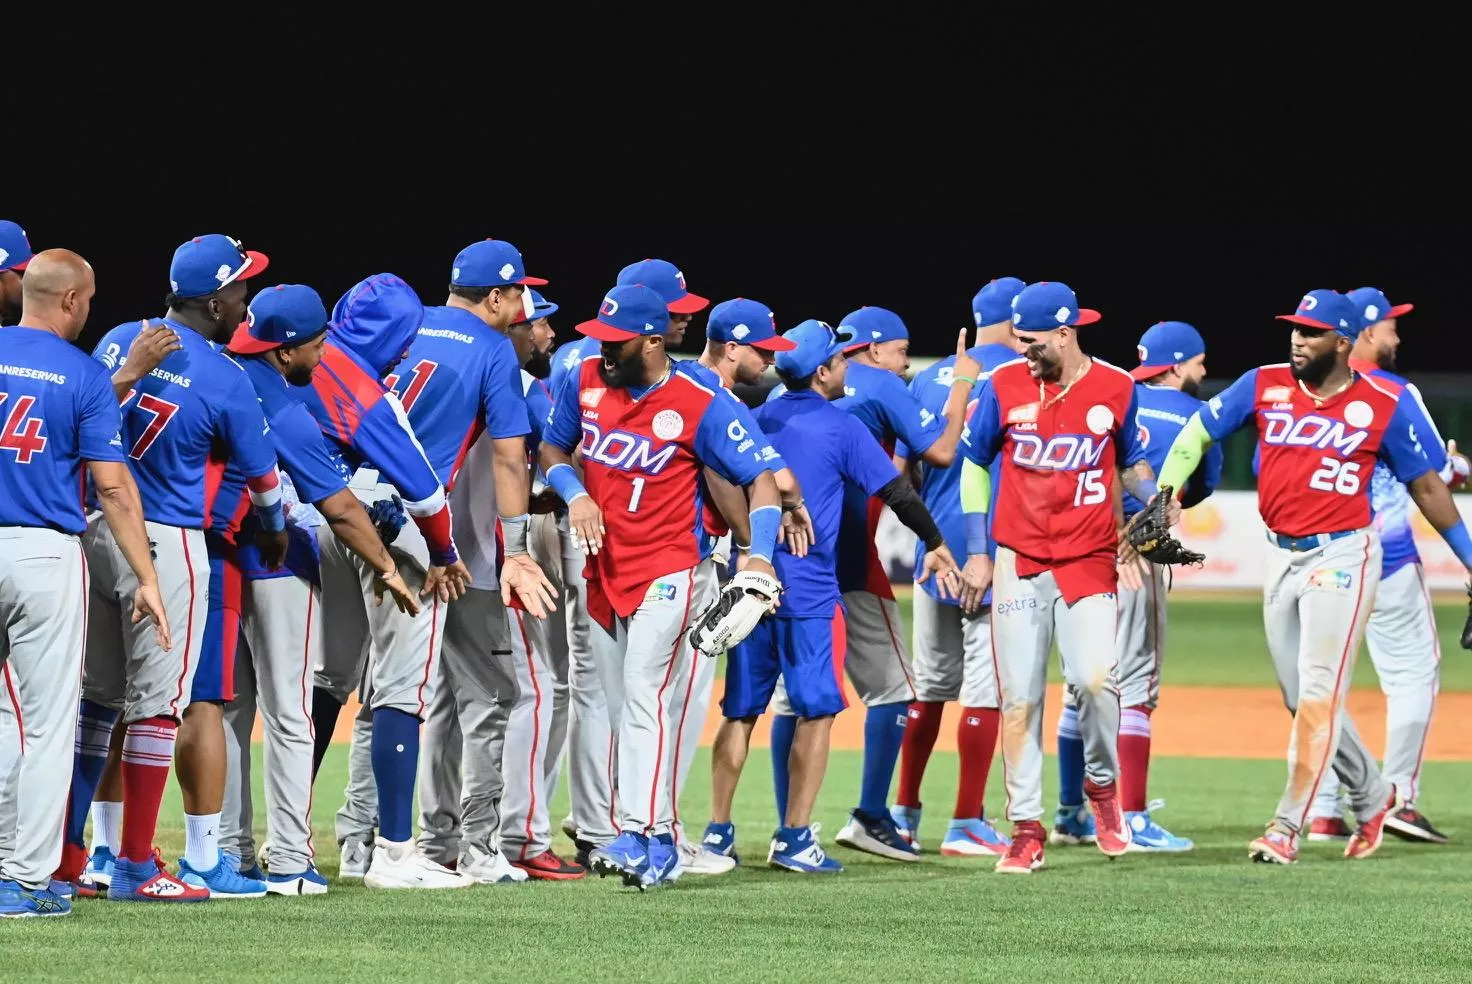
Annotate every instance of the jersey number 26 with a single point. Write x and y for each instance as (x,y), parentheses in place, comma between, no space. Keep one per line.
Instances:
(1334,475)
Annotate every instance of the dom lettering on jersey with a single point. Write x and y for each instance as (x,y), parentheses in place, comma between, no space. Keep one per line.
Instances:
(1314,431)
(1062,452)
(625,451)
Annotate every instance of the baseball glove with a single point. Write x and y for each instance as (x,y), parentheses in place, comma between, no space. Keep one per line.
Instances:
(743,601)
(1149,533)
(1467,629)
(388,518)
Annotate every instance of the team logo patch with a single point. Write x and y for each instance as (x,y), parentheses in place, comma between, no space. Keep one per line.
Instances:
(1100,419)
(1359,414)
(1143,352)
(591,398)
(740,331)
(223,274)
(4,255)
(1024,414)
(1144,438)
(668,425)
(506,271)
(1276,394)
(660,591)
(1331,580)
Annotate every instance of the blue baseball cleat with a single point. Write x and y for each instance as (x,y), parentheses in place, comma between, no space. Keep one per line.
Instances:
(973,838)
(627,856)
(309,882)
(100,865)
(254,872)
(664,862)
(1072,825)
(224,880)
(1147,835)
(878,835)
(720,838)
(797,849)
(19,902)
(907,820)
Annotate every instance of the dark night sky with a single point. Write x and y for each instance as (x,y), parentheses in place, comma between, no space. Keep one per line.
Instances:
(1159,182)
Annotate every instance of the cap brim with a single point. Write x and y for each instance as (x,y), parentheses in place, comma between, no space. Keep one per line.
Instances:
(1400,309)
(257,265)
(1085,316)
(1141,373)
(21,266)
(244,343)
(1299,319)
(689,304)
(532,282)
(604,332)
(774,344)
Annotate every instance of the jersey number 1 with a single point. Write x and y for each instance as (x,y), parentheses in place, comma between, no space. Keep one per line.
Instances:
(22,432)
(638,494)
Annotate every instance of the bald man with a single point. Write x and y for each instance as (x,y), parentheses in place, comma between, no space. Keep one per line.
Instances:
(58,411)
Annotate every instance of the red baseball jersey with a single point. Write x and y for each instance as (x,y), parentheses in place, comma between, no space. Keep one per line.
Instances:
(642,456)
(1059,458)
(1315,462)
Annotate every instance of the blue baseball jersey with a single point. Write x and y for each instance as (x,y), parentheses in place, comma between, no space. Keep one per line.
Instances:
(567,361)
(1161,412)
(57,410)
(829,451)
(184,422)
(940,488)
(538,408)
(461,377)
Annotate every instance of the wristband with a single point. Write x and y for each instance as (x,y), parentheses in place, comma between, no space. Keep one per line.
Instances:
(764,525)
(1146,489)
(978,543)
(272,517)
(962,379)
(795,506)
(513,533)
(564,480)
(1460,542)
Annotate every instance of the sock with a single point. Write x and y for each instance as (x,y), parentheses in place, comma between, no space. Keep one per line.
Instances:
(1070,759)
(148,752)
(784,730)
(325,710)
(107,825)
(920,735)
(1134,758)
(94,735)
(395,760)
(884,733)
(976,739)
(202,841)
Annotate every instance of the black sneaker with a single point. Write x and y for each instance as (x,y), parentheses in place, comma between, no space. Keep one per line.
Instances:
(584,848)
(1407,823)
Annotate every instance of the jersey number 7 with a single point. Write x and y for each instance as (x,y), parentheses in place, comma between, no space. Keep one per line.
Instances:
(22,432)
(163,411)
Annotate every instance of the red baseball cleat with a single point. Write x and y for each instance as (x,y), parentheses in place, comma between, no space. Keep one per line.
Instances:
(1026,853)
(1367,840)
(1109,827)
(549,867)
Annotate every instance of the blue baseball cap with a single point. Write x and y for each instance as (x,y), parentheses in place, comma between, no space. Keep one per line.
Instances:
(746,322)
(1166,344)
(283,316)
(541,308)
(667,279)
(15,248)
(1327,310)
(628,311)
(206,264)
(992,305)
(491,263)
(1374,306)
(814,343)
(872,325)
(1047,306)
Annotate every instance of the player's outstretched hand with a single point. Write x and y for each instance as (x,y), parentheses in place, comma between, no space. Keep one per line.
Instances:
(585,520)
(524,579)
(273,548)
(448,583)
(1460,466)
(940,563)
(394,584)
(797,530)
(152,345)
(976,577)
(965,364)
(148,603)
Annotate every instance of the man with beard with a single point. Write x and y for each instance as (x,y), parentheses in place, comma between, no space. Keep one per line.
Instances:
(1322,427)
(15,253)
(1172,366)
(1401,632)
(646,428)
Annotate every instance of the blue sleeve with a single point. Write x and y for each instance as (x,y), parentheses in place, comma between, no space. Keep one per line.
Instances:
(861,459)
(718,438)
(99,434)
(565,362)
(1130,451)
(245,431)
(1423,430)
(538,409)
(303,453)
(501,393)
(387,443)
(1229,410)
(775,392)
(1205,478)
(565,423)
(906,416)
(901,450)
(759,444)
(982,437)
(1399,447)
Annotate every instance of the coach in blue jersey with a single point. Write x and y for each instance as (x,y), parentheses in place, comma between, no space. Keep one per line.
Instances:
(57,413)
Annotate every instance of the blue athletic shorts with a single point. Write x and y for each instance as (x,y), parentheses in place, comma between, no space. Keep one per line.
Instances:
(807,652)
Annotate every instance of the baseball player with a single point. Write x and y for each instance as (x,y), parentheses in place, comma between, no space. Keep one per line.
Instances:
(590,763)
(877,658)
(1321,429)
(645,427)
(953,646)
(1401,632)
(462,379)
(279,346)
(177,419)
(57,413)
(15,253)
(804,640)
(1063,424)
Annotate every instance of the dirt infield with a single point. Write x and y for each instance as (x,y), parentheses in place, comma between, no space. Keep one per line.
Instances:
(1206,722)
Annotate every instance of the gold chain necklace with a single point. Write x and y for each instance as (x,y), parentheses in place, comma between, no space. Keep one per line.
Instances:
(1321,400)
(1046,403)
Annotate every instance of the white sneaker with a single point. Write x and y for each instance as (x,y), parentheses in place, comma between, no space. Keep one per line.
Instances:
(354,860)
(696,860)
(263,856)
(402,866)
(489,869)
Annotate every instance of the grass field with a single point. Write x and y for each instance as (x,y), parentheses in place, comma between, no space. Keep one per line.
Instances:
(1402,915)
